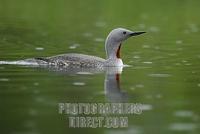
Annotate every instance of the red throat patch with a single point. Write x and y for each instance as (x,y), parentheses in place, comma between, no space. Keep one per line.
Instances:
(118,52)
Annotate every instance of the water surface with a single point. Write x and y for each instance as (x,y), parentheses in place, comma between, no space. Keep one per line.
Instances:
(163,74)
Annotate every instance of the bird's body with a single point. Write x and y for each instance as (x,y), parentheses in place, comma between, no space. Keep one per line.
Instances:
(71,59)
(112,46)
(75,60)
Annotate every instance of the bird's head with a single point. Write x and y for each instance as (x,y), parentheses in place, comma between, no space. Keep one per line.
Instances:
(115,39)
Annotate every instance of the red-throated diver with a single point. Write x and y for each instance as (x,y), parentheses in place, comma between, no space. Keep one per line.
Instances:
(112,46)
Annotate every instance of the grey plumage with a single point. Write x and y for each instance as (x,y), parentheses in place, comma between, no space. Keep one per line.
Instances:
(71,59)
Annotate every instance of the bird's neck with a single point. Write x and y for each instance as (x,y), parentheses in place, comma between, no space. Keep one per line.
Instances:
(113,53)
(113,49)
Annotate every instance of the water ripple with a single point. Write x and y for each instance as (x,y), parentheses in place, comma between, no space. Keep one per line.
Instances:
(159,75)
(79,83)
(183,126)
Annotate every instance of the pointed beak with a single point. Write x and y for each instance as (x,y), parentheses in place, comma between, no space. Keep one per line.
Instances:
(136,33)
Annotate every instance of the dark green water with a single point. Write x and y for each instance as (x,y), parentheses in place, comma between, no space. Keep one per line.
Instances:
(164,73)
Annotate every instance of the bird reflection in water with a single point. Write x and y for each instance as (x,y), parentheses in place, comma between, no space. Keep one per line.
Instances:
(112,88)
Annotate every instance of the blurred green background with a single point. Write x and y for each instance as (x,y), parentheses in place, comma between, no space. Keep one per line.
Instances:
(164,73)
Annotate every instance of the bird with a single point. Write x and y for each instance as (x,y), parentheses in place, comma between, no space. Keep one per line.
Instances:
(113,45)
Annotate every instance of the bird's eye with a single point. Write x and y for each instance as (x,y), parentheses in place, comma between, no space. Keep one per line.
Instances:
(124,32)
